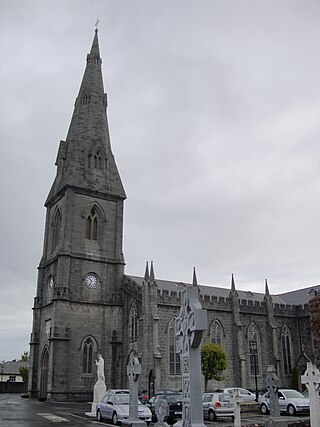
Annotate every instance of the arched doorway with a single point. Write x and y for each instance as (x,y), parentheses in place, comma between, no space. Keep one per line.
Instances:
(44,374)
(151,384)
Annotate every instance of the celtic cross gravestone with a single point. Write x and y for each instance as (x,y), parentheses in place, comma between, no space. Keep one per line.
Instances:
(311,379)
(133,372)
(190,325)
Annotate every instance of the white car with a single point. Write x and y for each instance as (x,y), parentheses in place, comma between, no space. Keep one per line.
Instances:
(115,406)
(245,395)
(290,401)
(216,405)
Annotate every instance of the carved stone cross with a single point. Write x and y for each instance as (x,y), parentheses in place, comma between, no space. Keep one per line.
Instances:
(311,379)
(273,384)
(162,411)
(190,325)
(133,372)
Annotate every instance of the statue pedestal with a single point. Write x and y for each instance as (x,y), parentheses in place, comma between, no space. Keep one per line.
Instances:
(98,392)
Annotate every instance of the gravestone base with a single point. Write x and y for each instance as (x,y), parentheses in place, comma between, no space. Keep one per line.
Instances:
(98,392)
(134,423)
(276,422)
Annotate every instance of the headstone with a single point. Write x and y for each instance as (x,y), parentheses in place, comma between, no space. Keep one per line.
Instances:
(133,372)
(99,389)
(162,411)
(190,325)
(236,404)
(311,379)
(273,384)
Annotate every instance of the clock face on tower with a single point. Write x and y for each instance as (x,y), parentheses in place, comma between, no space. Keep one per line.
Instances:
(91,281)
(50,282)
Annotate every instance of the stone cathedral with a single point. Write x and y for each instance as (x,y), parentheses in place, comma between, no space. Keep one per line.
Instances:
(85,303)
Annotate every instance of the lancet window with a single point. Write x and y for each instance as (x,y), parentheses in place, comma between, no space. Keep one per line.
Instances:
(87,355)
(286,349)
(254,345)
(134,323)
(92,225)
(174,358)
(216,333)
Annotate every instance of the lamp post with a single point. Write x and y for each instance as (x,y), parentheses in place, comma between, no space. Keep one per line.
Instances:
(254,353)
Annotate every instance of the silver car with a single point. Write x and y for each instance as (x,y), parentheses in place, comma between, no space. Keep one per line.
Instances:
(216,405)
(290,401)
(115,406)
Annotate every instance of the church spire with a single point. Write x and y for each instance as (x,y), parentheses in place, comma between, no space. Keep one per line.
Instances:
(194,279)
(152,277)
(85,160)
(146,274)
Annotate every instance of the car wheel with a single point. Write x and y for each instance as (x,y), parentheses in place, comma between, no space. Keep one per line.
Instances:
(212,416)
(264,409)
(99,416)
(291,410)
(115,418)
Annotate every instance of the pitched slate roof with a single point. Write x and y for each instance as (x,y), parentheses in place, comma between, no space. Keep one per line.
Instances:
(298,297)
(12,368)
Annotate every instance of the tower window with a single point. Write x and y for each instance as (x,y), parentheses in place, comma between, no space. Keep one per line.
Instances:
(56,229)
(92,226)
(87,356)
(97,160)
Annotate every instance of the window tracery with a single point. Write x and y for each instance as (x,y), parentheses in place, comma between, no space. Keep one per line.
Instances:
(174,357)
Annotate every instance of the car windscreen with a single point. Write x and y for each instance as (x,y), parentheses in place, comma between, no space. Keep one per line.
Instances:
(174,398)
(121,399)
(292,394)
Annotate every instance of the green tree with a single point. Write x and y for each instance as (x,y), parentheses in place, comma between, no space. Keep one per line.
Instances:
(24,357)
(213,362)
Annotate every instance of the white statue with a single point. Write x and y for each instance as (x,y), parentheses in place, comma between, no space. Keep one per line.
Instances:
(100,368)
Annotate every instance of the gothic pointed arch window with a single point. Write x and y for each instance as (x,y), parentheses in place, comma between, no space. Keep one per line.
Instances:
(133,322)
(286,349)
(216,333)
(56,225)
(87,355)
(92,225)
(254,349)
(174,358)
(97,160)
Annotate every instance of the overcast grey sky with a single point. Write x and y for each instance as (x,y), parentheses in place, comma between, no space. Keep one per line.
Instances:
(214,114)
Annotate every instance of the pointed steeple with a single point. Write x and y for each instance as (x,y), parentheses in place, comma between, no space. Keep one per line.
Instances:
(152,277)
(194,279)
(85,159)
(267,293)
(146,274)
(233,286)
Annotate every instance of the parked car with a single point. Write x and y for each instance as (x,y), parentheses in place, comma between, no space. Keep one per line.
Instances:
(216,405)
(245,395)
(115,406)
(174,400)
(290,401)
(143,396)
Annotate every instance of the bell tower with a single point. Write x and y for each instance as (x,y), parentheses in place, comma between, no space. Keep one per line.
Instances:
(82,265)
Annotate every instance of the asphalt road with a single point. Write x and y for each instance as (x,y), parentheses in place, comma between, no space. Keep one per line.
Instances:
(18,412)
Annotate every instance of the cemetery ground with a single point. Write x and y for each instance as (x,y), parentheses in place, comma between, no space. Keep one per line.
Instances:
(18,412)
